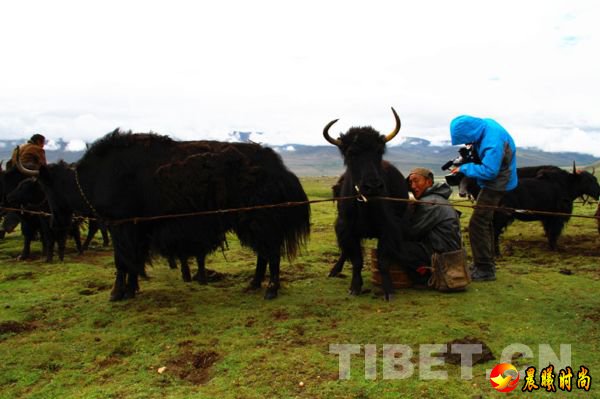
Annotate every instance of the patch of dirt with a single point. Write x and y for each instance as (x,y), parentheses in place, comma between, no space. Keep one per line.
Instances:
(455,358)
(194,367)
(101,323)
(594,316)
(98,286)
(16,327)
(569,245)
(280,314)
(109,362)
(214,276)
(19,276)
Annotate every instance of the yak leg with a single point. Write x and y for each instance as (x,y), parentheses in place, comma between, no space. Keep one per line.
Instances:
(354,252)
(48,240)
(76,237)
(273,286)
(28,230)
(26,252)
(105,237)
(62,241)
(132,285)
(185,269)
(383,264)
(129,252)
(201,275)
(172,262)
(92,229)
(259,273)
(339,266)
(553,226)
(118,290)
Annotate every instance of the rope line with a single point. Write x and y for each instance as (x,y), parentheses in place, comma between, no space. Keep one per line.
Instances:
(458,204)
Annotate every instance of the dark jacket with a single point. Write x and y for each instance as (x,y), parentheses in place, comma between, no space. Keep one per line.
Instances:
(437,226)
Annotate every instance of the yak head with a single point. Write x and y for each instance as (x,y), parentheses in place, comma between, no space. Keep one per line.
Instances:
(27,192)
(585,183)
(362,149)
(58,183)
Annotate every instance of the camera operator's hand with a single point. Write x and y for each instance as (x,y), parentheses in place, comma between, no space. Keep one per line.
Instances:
(455,170)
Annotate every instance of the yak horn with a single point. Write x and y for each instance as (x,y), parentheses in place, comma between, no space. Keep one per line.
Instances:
(396,129)
(336,142)
(574,168)
(23,169)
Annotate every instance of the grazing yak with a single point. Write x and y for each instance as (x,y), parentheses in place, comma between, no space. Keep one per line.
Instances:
(125,175)
(239,175)
(29,196)
(367,176)
(10,178)
(541,188)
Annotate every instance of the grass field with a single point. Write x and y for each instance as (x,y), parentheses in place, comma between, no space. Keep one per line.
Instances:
(60,337)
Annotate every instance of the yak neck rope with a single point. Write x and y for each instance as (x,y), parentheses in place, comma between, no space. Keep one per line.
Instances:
(94,211)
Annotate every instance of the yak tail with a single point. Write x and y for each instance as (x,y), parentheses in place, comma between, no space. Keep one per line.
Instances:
(295,220)
(296,237)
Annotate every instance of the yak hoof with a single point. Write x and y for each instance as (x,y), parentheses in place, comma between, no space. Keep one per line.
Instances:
(271,293)
(199,279)
(388,297)
(334,272)
(354,291)
(187,278)
(117,295)
(129,294)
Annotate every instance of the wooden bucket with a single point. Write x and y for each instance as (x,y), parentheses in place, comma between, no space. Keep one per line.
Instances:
(400,279)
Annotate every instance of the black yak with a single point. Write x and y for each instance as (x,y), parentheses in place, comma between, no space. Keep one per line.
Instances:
(367,176)
(29,196)
(120,177)
(239,175)
(541,188)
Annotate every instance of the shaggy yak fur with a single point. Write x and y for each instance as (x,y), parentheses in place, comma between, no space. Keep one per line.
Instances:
(369,176)
(125,175)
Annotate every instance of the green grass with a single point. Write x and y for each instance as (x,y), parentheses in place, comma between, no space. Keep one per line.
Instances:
(60,337)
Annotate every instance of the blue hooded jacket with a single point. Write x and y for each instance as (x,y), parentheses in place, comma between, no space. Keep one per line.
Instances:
(495,147)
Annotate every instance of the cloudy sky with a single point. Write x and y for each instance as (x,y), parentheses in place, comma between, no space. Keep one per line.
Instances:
(202,69)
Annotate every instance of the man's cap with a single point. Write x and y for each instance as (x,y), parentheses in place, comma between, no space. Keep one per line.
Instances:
(427,173)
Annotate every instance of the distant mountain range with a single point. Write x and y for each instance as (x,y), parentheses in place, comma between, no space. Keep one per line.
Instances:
(325,160)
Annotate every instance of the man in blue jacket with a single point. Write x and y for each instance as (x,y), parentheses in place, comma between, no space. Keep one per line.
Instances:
(496,174)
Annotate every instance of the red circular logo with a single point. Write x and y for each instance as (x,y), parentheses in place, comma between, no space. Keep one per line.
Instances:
(504,377)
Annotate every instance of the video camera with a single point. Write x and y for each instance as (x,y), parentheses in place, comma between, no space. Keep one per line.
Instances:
(466,154)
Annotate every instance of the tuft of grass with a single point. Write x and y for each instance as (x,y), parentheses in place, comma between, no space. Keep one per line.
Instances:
(61,337)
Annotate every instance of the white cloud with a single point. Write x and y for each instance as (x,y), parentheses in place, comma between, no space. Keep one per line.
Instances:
(206,69)
(75,145)
(51,145)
